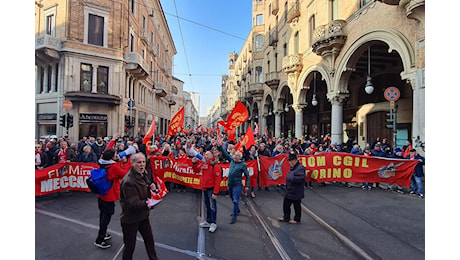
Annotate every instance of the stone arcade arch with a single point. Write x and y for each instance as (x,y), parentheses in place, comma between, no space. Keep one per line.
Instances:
(397,46)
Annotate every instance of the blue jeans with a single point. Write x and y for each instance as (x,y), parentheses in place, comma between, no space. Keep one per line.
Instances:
(234,192)
(211,206)
(416,183)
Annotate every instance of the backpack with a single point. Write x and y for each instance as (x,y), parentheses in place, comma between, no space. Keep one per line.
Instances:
(98,182)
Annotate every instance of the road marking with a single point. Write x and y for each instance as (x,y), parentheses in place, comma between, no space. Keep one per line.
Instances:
(91,226)
(201,233)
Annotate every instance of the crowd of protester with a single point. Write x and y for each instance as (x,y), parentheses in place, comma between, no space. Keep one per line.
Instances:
(89,149)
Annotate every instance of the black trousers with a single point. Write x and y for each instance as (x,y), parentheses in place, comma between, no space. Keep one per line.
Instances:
(287,209)
(106,210)
(129,238)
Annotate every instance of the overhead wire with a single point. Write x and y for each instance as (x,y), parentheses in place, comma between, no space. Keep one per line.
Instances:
(183,45)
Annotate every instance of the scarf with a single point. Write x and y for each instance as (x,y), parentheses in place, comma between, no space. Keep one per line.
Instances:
(62,157)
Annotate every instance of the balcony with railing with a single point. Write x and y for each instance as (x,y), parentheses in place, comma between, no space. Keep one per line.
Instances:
(275,7)
(160,89)
(171,101)
(294,12)
(256,88)
(292,63)
(153,50)
(329,37)
(273,37)
(136,65)
(47,48)
(272,79)
(144,36)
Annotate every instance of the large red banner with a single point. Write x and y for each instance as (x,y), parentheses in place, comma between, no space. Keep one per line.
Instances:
(326,167)
(333,166)
(63,176)
(181,172)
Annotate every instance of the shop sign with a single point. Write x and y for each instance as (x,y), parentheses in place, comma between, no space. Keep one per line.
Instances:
(47,116)
(93,117)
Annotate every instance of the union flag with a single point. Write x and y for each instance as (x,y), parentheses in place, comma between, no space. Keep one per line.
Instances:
(246,141)
(238,116)
(176,123)
(148,136)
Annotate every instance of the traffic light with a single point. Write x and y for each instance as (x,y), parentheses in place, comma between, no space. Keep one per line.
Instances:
(69,120)
(391,118)
(62,120)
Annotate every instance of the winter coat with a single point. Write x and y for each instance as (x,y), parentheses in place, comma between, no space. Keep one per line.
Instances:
(87,157)
(98,149)
(115,173)
(210,175)
(265,152)
(295,181)
(418,171)
(134,192)
(236,170)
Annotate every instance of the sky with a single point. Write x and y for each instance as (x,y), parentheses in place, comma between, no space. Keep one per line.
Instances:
(204,33)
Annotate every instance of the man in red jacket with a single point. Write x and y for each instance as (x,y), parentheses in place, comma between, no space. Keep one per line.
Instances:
(210,184)
(106,203)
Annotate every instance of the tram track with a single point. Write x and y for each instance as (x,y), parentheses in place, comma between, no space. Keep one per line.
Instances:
(282,251)
(364,219)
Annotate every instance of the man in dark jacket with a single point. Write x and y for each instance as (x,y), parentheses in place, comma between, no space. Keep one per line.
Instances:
(295,180)
(416,180)
(135,202)
(263,150)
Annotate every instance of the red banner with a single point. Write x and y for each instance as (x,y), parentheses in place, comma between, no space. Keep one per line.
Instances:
(329,167)
(63,176)
(176,123)
(181,172)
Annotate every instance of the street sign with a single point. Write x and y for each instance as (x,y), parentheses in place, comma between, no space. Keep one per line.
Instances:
(67,104)
(392,94)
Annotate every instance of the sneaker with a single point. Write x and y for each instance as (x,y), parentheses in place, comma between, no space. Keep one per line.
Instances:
(213,227)
(205,225)
(107,237)
(103,244)
(421,196)
(412,192)
(293,221)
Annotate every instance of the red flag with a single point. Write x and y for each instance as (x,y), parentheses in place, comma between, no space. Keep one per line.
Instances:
(238,116)
(246,141)
(148,136)
(176,123)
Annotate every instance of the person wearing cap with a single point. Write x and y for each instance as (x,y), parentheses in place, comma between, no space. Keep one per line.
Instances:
(98,147)
(416,180)
(295,180)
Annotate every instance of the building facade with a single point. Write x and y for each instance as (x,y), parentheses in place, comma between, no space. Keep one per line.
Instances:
(192,116)
(111,59)
(177,101)
(322,67)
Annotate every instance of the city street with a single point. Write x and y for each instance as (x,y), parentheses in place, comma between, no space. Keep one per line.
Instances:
(337,223)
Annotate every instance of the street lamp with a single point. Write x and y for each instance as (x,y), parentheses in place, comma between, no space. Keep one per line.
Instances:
(369,88)
(314,102)
(286,108)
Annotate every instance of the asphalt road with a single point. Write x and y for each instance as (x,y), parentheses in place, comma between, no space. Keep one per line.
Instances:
(337,223)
